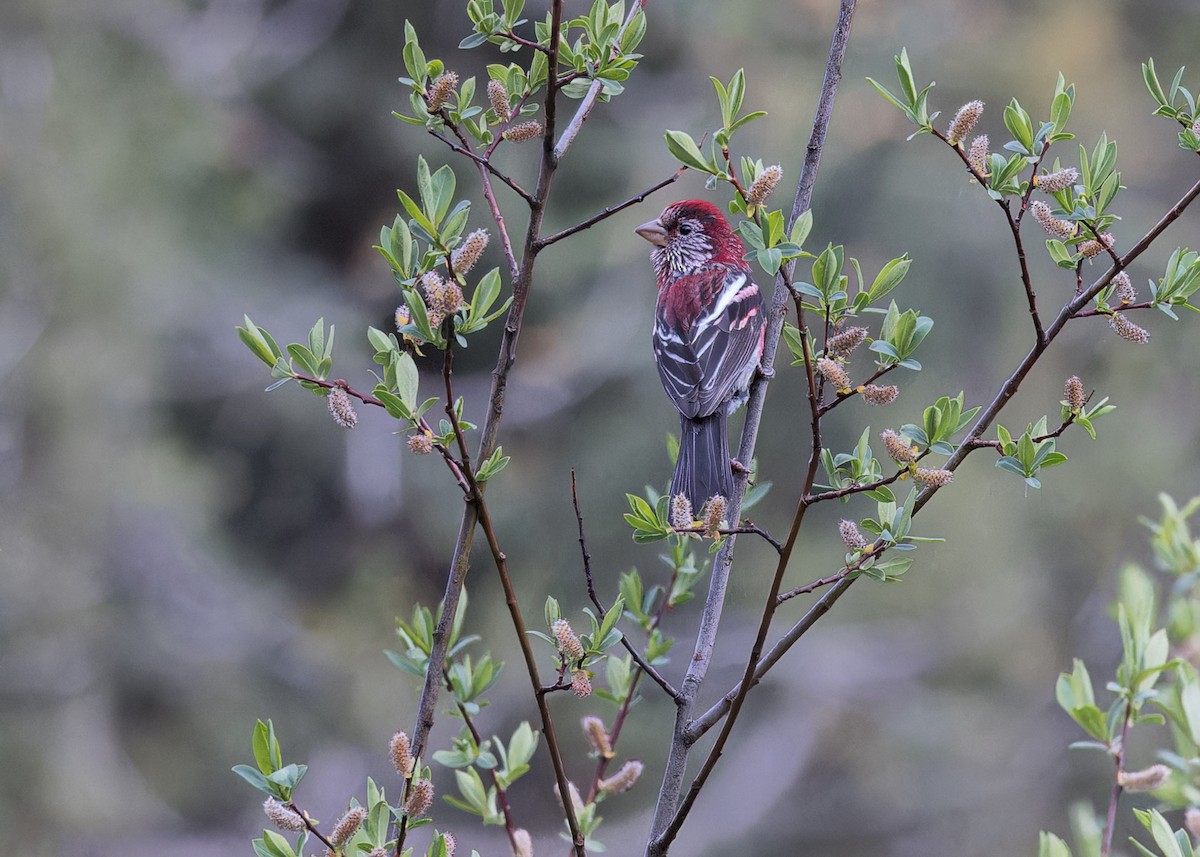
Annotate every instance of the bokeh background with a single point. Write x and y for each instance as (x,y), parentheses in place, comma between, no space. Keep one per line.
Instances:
(181,554)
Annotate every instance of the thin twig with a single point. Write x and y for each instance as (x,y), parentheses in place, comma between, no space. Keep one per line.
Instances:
(642,664)
(612,209)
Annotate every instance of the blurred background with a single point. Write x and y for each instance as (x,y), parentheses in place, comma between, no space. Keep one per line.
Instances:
(181,554)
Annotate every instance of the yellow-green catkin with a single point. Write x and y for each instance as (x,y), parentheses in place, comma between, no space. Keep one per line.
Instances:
(341,408)
(933,478)
(524,131)
(581,683)
(522,843)
(1127,330)
(1061,229)
(897,448)
(347,825)
(622,780)
(763,186)
(467,253)
(400,750)
(681,512)
(879,395)
(1094,246)
(498,96)
(964,122)
(1057,180)
(833,372)
(842,345)
(282,816)
(714,515)
(1075,396)
(1145,780)
(851,536)
(597,736)
(1123,288)
(977,155)
(439,91)
(568,642)
(420,798)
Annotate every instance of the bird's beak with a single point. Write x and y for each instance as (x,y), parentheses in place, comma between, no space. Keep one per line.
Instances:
(653,232)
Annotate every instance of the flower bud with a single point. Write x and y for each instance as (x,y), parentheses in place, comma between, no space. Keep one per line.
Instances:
(1075,396)
(420,444)
(875,394)
(467,253)
(498,96)
(1094,247)
(401,751)
(1145,780)
(713,514)
(622,780)
(576,800)
(1061,229)
(898,449)
(851,536)
(833,372)
(681,512)
(842,346)
(340,407)
(977,155)
(581,683)
(522,843)
(420,798)
(933,478)
(439,91)
(451,843)
(1191,820)
(964,122)
(347,825)
(597,736)
(764,185)
(524,132)
(282,816)
(1057,180)
(1124,290)
(1196,126)
(568,642)
(1127,330)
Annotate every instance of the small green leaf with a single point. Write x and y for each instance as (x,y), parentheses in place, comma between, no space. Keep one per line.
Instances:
(684,149)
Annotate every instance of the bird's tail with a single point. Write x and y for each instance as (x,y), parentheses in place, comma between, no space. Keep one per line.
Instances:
(703,467)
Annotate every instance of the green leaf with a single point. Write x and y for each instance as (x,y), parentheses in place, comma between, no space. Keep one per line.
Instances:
(254,778)
(889,277)
(1050,845)
(407,379)
(684,149)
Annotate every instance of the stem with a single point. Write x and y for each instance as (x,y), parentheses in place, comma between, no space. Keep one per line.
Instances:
(1110,821)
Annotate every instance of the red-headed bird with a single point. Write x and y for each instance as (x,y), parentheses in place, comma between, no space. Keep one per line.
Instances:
(708,337)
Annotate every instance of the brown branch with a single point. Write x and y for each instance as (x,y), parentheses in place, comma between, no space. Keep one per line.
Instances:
(611,210)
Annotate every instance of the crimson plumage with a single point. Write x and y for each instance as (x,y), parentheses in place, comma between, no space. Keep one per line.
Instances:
(708,337)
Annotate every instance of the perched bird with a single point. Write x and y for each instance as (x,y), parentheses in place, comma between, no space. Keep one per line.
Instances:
(708,337)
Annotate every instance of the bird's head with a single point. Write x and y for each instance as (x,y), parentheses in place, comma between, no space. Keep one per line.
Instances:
(688,235)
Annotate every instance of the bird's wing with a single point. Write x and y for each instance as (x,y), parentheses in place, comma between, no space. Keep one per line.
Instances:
(707,336)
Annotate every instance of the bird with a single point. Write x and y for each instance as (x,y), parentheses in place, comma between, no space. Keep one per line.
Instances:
(709,327)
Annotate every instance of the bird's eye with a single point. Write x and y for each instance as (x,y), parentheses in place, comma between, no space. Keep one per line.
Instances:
(685,229)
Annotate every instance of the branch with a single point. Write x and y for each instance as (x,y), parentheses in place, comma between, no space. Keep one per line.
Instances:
(669,812)
(611,210)
(589,100)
